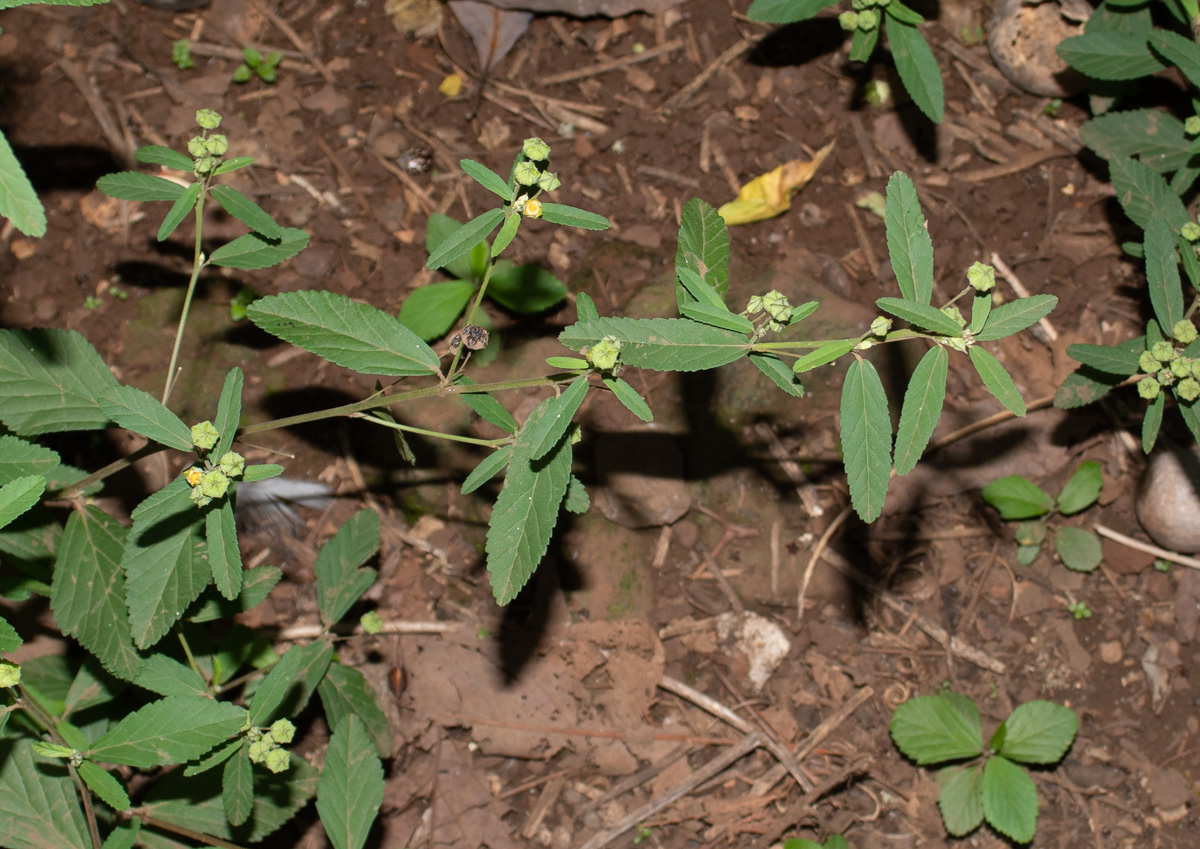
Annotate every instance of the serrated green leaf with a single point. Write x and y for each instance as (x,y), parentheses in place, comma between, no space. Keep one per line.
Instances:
(862,44)
(507,233)
(997,380)
(1084,386)
(350,789)
(981,308)
(261,472)
(431,310)
(1156,138)
(545,433)
(866,439)
(486,406)
(344,691)
(802,311)
(937,728)
(1182,52)
(488,468)
(526,511)
(51,381)
(19,459)
(256,586)
(88,593)
(246,211)
(286,689)
(525,289)
(224,557)
(340,578)
(179,210)
(663,344)
(576,499)
(557,213)
(18,496)
(700,291)
(1143,194)
(1152,421)
(567,363)
(703,245)
(438,228)
(18,201)
(917,68)
(1079,550)
(156,154)
(827,353)
(165,562)
(464,239)
(1082,489)
(1162,273)
(39,807)
(10,640)
(345,332)
(902,13)
(717,317)
(142,413)
(234,164)
(1039,732)
(1016,497)
(909,245)
(229,412)
(214,758)
(1111,55)
(1112,359)
(786,11)
(170,731)
(960,801)
(922,315)
(630,398)
(585,307)
(779,372)
(134,185)
(1009,799)
(1015,316)
(237,788)
(922,408)
(105,785)
(486,177)
(253,251)
(168,677)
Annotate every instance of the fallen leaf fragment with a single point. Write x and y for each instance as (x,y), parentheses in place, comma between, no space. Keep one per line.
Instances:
(770,194)
(451,85)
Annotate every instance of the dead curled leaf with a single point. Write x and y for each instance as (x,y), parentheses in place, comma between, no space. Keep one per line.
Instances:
(770,194)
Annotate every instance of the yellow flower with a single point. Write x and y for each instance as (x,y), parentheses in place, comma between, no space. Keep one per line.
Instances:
(533,209)
(192,476)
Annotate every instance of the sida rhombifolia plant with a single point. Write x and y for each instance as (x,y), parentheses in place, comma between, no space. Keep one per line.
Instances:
(140,599)
(984,781)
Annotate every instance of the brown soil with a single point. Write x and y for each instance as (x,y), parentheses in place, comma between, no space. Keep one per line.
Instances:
(513,729)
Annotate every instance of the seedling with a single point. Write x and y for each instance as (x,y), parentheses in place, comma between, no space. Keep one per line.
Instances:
(835,841)
(946,727)
(1079,610)
(254,62)
(181,54)
(1018,498)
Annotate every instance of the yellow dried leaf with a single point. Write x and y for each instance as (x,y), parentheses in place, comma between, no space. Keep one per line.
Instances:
(451,86)
(770,194)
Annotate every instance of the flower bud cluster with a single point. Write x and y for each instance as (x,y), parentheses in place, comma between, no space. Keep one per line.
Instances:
(1165,365)
(605,354)
(864,15)
(532,173)
(211,481)
(774,306)
(207,149)
(266,745)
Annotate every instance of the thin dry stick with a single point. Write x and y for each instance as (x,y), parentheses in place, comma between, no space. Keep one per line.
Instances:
(104,118)
(775,558)
(803,806)
(1182,560)
(1019,288)
(717,765)
(297,42)
(311,632)
(864,244)
(722,581)
(984,424)
(791,469)
(776,773)
(681,96)
(427,205)
(631,781)
(812,561)
(968,652)
(995,172)
(613,64)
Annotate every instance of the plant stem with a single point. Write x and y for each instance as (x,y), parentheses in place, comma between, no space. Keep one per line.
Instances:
(487,276)
(187,650)
(453,437)
(198,836)
(85,798)
(197,265)
(76,489)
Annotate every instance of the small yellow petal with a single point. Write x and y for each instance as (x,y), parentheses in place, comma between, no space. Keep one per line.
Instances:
(451,86)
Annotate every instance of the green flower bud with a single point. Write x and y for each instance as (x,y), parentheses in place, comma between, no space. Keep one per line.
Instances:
(277,760)
(204,435)
(259,749)
(848,21)
(1180,368)
(371,622)
(204,166)
(1165,378)
(1148,363)
(208,119)
(195,146)
(527,174)
(982,277)
(605,354)
(1195,368)
(282,731)
(774,326)
(213,484)
(1184,331)
(535,149)
(868,19)
(956,343)
(1192,126)
(755,305)
(1190,231)
(777,306)
(1148,388)
(232,464)
(548,182)
(10,674)
(954,313)
(216,145)
(1163,351)
(199,498)
(1188,389)
(880,326)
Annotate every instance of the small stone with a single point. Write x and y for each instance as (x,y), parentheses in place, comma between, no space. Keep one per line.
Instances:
(1168,789)
(1111,652)
(1167,500)
(762,643)
(44,308)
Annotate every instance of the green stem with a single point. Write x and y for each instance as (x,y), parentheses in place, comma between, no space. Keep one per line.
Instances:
(199,837)
(893,336)
(197,266)
(76,489)
(187,650)
(487,276)
(453,437)
(85,798)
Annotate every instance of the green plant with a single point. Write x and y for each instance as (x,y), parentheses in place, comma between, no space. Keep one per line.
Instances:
(254,62)
(915,65)
(835,841)
(1079,610)
(181,54)
(946,727)
(1020,499)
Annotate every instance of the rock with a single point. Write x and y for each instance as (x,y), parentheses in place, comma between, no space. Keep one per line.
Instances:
(759,640)
(1168,789)
(641,473)
(1168,499)
(1022,40)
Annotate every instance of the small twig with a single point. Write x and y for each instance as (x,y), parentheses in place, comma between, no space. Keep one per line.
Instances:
(422,196)
(631,781)
(775,558)
(345,174)
(601,733)
(870,160)
(864,244)
(104,118)
(1019,288)
(681,96)
(984,424)
(791,469)
(722,581)
(1147,548)
(297,42)
(311,632)
(706,702)
(995,172)
(812,561)
(803,806)
(613,64)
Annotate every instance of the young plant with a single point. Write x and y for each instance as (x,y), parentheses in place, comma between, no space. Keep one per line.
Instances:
(1021,500)
(181,54)
(254,62)
(835,841)
(915,65)
(946,727)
